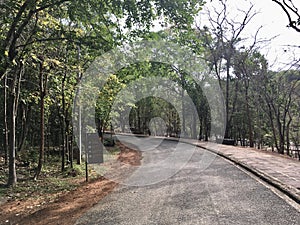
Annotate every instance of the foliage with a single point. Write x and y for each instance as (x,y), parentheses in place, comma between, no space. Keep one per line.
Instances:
(107,97)
(57,40)
(50,183)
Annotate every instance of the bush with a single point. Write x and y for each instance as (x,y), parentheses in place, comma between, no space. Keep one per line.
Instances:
(109,142)
(75,171)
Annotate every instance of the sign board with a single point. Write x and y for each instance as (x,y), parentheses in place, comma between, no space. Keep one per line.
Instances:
(94,148)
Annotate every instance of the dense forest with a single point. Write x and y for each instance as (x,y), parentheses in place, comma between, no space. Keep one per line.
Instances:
(47,45)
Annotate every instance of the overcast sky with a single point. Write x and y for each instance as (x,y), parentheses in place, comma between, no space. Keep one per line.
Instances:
(274,23)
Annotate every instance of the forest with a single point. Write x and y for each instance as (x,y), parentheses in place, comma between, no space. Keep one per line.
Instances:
(47,45)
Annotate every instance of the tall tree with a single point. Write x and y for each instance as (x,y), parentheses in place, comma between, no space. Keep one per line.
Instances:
(5,127)
(277,94)
(14,88)
(222,41)
(42,87)
(32,26)
(248,65)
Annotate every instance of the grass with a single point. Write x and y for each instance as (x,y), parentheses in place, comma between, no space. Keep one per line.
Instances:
(51,181)
(113,150)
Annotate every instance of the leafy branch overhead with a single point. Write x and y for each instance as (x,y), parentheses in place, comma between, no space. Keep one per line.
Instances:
(90,22)
(45,45)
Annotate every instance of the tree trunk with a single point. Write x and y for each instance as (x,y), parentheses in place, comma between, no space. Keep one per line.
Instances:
(201,128)
(194,129)
(281,134)
(12,175)
(207,129)
(14,99)
(138,120)
(25,125)
(227,97)
(288,133)
(270,115)
(249,120)
(63,150)
(63,121)
(79,115)
(183,134)
(71,151)
(5,135)
(42,122)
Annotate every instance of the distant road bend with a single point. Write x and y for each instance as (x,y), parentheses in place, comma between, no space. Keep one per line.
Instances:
(220,194)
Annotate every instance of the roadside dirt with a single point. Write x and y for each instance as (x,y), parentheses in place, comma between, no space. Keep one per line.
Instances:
(67,207)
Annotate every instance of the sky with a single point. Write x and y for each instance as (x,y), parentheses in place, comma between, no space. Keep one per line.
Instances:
(274,22)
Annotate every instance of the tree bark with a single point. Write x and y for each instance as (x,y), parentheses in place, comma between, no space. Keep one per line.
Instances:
(42,121)
(227,97)
(14,99)
(288,135)
(25,125)
(5,136)
(63,121)
(12,175)
(251,141)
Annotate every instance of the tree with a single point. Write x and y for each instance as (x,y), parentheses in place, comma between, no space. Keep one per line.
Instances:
(248,64)
(14,88)
(222,42)
(277,94)
(5,128)
(51,27)
(295,127)
(107,97)
(292,13)
(42,86)
(19,28)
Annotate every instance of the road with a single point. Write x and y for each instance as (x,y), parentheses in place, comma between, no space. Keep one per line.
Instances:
(219,194)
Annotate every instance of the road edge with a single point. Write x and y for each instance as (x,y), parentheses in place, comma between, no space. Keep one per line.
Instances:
(287,190)
(291,192)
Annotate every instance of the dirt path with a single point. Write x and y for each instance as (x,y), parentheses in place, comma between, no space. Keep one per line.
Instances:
(69,206)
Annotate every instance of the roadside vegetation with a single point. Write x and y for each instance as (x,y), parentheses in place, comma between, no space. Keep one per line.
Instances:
(46,45)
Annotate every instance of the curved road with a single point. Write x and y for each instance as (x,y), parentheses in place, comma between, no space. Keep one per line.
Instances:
(220,194)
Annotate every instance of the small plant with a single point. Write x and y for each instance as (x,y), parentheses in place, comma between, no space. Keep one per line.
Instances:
(110,142)
(75,171)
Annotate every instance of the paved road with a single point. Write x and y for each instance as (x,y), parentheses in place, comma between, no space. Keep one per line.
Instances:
(220,194)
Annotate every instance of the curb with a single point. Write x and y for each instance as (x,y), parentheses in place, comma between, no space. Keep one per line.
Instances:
(292,192)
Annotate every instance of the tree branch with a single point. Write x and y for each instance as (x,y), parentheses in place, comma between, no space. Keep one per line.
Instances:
(49,5)
(42,40)
(292,24)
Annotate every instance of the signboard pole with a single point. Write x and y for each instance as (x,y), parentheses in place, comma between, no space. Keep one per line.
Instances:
(86,171)
(86,159)
(79,114)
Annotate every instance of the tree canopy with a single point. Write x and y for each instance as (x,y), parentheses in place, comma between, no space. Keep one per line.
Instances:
(46,45)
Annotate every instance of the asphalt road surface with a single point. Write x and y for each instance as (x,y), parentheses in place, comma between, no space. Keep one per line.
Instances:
(219,194)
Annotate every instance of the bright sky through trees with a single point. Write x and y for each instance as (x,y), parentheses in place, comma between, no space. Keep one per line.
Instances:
(279,50)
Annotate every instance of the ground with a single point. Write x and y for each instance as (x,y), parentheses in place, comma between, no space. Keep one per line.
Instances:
(63,207)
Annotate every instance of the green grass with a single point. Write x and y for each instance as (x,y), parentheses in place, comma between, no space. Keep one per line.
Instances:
(51,181)
(113,150)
